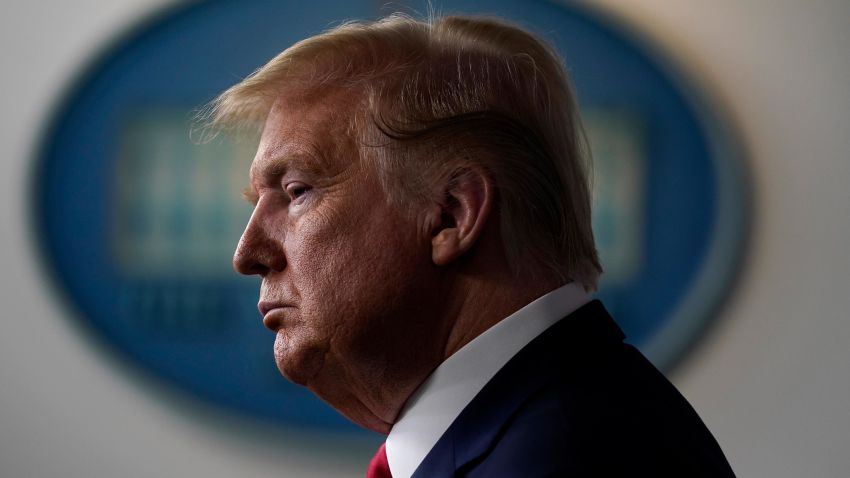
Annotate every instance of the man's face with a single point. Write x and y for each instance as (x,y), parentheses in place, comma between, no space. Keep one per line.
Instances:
(347,278)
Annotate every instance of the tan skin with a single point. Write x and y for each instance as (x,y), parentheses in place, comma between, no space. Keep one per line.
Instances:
(366,300)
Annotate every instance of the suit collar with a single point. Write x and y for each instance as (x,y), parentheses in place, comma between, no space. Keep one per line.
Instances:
(474,431)
(454,384)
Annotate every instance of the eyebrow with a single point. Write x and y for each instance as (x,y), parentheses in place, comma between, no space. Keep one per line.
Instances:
(250,195)
(302,161)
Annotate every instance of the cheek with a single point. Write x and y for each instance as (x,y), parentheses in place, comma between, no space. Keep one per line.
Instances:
(322,264)
(352,262)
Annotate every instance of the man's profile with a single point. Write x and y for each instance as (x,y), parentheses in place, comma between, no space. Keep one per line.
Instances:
(422,231)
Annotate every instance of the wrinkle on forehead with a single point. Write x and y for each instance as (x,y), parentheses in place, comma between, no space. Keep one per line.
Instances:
(310,131)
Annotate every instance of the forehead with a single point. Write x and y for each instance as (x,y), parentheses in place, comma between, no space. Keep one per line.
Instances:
(308,128)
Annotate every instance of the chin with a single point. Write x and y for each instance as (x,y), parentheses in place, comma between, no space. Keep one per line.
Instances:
(290,372)
(298,362)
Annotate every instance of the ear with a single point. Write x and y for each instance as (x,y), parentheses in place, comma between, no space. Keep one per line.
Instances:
(468,199)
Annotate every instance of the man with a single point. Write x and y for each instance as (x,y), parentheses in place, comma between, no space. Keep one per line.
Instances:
(422,231)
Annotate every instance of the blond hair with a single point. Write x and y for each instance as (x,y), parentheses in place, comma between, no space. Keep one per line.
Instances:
(450,93)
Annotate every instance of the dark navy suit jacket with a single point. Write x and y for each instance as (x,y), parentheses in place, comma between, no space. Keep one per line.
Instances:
(577,401)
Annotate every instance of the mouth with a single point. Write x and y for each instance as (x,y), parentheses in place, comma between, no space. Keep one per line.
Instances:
(272,313)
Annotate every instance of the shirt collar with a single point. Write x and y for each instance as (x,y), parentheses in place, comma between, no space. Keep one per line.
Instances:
(449,389)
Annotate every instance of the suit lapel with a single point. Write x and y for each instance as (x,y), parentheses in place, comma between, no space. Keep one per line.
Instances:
(477,427)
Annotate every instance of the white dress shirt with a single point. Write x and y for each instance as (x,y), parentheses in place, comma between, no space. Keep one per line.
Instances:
(430,411)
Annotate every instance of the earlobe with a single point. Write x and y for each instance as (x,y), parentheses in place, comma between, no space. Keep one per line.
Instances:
(466,208)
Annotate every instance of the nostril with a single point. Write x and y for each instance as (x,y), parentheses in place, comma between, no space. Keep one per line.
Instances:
(258,260)
(246,265)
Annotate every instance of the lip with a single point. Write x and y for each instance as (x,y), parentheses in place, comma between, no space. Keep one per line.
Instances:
(267,309)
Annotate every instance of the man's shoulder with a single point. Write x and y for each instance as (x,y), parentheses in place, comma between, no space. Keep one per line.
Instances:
(579,400)
(617,418)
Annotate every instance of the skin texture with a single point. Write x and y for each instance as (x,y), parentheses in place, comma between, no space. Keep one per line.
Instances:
(366,299)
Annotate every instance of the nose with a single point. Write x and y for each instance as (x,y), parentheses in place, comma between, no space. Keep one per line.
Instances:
(258,253)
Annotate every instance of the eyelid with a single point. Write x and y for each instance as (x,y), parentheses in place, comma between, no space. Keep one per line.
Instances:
(293,185)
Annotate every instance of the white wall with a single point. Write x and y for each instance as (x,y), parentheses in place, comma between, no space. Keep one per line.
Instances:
(772,380)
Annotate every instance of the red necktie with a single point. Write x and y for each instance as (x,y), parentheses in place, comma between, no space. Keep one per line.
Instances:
(379,467)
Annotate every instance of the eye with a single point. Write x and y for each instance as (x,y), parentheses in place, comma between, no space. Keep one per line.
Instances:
(296,190)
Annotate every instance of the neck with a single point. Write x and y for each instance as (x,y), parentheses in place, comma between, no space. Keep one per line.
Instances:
(471,301)
(482,303)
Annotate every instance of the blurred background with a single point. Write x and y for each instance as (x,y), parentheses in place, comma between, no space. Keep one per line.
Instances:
(127,348)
